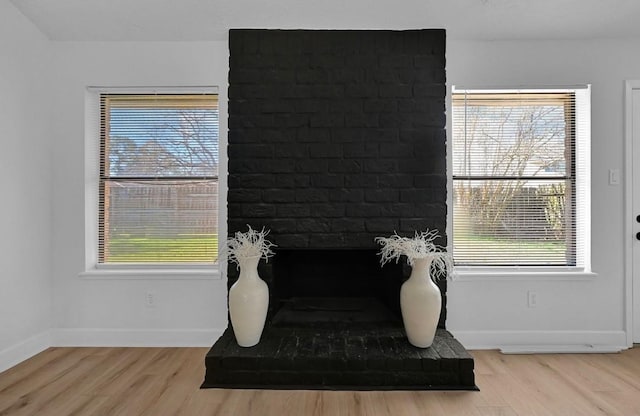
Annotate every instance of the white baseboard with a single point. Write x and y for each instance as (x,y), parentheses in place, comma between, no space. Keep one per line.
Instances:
(24,350)
(541,342)
(510,342)
(118,337)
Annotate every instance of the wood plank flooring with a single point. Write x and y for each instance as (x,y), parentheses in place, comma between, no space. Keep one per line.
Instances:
(165,381)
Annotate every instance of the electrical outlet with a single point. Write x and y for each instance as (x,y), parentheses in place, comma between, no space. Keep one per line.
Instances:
(150,300)
(532,299)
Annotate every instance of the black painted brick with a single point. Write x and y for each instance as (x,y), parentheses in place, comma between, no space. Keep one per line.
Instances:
(381,195)
(296,240)
(397,120)
(342,225)
(415,105)
(312,76)
(360,240)
(293,210)
(361,90)
(278,76)
(276,106)
(274,136)
(311,195)
(325,151)
(429,90)
(433,181)
(333,91)
(361,150)
(290,151)
(329,104)
(289,120)
(236,225)
(351,134)
(364,180)
(345,166)
(327,181)
(346,75)
(378,105)
(258,210)
(395,90)
(415,195)
(326,120)
(328,210)
(365,210)
(244,136)
(398,210)
(310,105)
(385,225)
(313,225)
(397,150)
(381,135)
(292,91)
(279,166)
(289,180)
(311,165)
(244,195)
(346,105)
(365,120)
(409,225)
(386,166)
(256,151)
(346,195)
(278,195)
(399,180)
(326,240)
(396,61)
(315,134)
(283,225)
(250,181)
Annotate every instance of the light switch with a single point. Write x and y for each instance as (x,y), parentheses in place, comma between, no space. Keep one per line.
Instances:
(614,176)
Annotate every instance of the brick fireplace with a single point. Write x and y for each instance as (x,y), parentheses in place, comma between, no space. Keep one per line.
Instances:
(336,137)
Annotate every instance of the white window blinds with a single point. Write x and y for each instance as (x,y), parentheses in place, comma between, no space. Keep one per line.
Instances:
(158,189)
(519,178)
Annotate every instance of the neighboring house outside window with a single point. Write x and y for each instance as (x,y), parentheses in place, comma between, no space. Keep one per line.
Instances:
(520,177)
(158,180)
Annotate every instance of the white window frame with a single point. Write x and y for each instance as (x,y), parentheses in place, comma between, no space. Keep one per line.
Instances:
(582,271)
(94,270)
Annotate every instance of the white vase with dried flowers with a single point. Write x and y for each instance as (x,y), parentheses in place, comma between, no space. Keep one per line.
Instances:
(420,298)
(249,295)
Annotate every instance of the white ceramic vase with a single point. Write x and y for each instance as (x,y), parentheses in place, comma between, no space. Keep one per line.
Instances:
(248,303)
(420,302)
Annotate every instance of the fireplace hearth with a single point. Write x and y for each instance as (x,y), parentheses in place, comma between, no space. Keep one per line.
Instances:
(335,138)
(339,359)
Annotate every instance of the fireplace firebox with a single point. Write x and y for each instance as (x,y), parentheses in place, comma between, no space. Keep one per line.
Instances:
(334,288)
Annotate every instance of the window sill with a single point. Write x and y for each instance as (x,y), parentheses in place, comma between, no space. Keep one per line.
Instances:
(521,274)
(152,273)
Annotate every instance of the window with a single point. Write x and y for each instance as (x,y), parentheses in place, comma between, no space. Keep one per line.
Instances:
(158,181)
(520,177)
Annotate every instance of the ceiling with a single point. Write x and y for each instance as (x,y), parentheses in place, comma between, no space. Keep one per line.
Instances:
(203,20)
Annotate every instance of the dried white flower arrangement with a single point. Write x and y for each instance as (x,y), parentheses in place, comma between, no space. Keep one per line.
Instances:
(421,245)
(252,243)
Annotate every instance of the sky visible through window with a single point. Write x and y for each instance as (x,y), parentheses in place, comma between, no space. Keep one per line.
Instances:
(163,142)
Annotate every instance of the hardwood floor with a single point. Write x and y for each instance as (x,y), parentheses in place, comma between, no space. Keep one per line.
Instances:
(165,381)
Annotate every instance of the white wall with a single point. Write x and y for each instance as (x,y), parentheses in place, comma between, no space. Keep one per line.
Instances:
(188,311)
(583,314)
(486,313)
(25,182)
